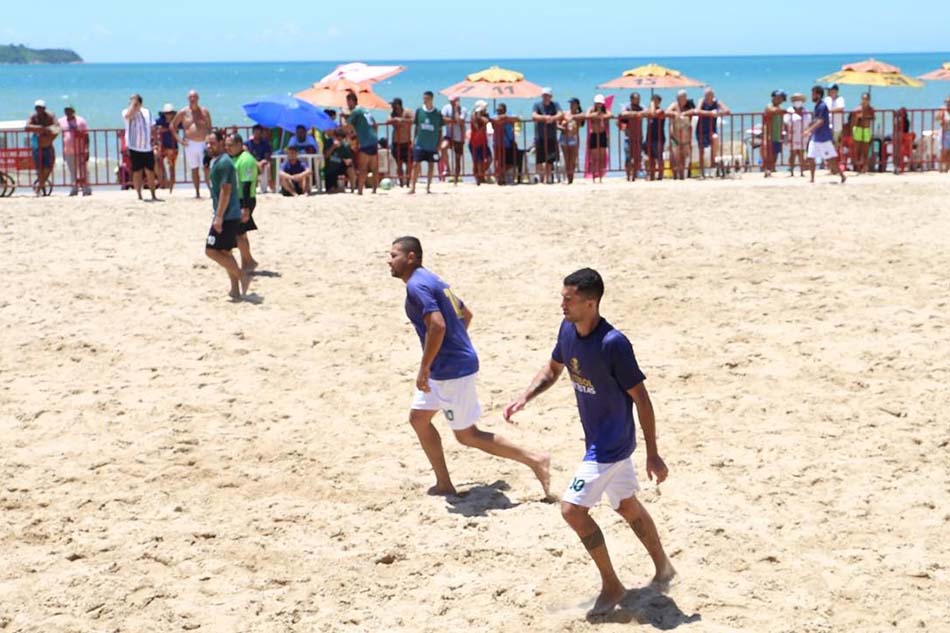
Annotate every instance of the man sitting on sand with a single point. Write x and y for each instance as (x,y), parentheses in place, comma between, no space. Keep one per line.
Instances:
(196,122)
(607,383)
(222,237)
(448,370)
(295,175)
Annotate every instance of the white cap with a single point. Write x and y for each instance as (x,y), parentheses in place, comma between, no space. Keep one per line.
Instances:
(39,103)
(481,104)
(168,108)
(547,91)
(599,99)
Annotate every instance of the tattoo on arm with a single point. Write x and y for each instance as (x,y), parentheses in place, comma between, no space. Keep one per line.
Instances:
(540,385)
(593,540)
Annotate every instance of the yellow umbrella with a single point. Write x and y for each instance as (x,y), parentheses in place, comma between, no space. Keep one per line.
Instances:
(495,83)
(651,76)
(941,74)
(872,73)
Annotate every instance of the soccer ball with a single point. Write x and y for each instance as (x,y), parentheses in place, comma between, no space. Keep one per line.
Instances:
(385,184)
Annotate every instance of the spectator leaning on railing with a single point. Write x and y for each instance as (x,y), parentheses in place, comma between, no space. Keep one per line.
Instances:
(76,150)
(45,130)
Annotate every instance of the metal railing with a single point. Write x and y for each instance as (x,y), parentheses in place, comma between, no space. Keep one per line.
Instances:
(901,140)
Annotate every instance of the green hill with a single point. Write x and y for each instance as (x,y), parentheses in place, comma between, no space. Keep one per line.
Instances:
(19,54)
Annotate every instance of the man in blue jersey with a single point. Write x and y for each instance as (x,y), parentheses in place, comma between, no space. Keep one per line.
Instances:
(607,382)
(448,370)
(821,144)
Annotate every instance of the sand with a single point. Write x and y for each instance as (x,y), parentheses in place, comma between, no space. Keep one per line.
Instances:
(174,461)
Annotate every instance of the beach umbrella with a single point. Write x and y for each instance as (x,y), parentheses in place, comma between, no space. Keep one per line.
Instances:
(651,76)
(332,94)
(495,83)
(871,72)
(362,73)
(941,74)
(287,112)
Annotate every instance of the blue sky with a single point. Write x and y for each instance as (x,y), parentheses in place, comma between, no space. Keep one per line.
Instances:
(242,30)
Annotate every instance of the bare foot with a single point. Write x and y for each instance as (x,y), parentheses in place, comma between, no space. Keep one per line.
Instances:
(235,295)
(251,266)
(245,281)
(608,599)
(663,579)
(441,491)
(542,470)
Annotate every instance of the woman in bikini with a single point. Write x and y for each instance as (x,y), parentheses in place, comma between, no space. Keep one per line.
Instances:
(681,113)
(478,141)
(570,137)
(863,122)
(597,141)
(401,122)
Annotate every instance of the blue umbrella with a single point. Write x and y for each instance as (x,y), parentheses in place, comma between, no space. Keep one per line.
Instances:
(287,113)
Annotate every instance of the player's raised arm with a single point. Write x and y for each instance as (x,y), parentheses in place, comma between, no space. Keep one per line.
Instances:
(546,377)
(655,465)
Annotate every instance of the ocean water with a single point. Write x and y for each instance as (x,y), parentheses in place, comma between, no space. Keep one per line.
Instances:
(100,91)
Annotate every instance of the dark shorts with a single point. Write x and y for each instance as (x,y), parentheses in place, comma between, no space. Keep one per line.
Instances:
(226,239)
(44,154)
(297,187)
(424,156)
(480,153)
(511,156)
(250,204)
(333,176)
(141,160)
(401,152)
(546,151)
(206,159)
(776,147)
(457,146)
(597,140)
(369,150)
(654,148)
(704,136)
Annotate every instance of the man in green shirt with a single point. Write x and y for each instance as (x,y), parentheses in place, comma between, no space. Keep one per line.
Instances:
(222,237)
(365,127)
(429,123)
(246,167)
(339,159)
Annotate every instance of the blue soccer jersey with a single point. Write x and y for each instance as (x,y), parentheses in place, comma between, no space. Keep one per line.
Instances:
(602,368)
(427,293)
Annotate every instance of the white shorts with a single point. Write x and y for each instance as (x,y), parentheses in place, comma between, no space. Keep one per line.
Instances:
(592,480)
(823,150)
(456,398)
(194,154)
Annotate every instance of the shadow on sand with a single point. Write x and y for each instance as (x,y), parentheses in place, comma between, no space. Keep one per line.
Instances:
(265,273)
(647,606)
(479,499)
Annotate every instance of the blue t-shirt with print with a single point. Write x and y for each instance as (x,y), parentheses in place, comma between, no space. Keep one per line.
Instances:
(427,293)
(822,133)
(602,369)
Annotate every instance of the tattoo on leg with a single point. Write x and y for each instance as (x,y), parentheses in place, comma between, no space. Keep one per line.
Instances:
(593,540)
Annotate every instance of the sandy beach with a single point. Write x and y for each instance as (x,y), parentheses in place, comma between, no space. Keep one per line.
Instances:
(173,461)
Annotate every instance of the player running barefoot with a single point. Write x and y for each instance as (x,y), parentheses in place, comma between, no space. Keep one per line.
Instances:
(607,382)
(447,373)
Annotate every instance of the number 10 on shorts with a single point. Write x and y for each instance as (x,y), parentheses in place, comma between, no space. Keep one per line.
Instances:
(577,484)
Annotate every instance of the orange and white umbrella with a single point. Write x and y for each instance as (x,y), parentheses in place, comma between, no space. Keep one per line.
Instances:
(495,83)
(362,73)
(650,76)
(941,74)
(333,94)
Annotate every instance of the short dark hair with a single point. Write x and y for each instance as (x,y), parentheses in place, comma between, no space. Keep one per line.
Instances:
(301,127)
(237,138)
(588,283)
(428,93)
(138,98)
(218,134)
(819,90)
(409,244)
(257,126)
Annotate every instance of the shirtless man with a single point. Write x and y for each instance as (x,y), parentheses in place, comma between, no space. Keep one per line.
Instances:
(401,122)
(196,122)
(44,126)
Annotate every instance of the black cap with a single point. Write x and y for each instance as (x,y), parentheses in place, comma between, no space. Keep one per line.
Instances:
(833,87)
(779,93)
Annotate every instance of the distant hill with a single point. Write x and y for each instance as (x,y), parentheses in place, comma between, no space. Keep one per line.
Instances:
(19,54)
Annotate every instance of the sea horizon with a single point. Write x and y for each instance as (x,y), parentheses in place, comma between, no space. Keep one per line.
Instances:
(99,90)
